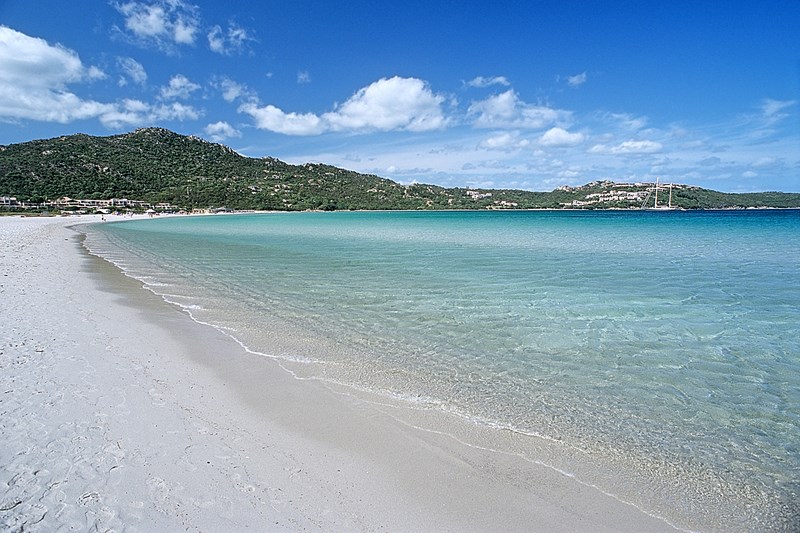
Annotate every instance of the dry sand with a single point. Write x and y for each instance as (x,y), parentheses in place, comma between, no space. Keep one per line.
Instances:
(118,412)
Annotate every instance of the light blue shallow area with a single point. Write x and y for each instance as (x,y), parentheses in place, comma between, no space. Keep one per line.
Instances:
(676,334)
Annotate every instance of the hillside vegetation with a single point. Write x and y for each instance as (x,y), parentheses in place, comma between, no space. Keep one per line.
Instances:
(157,165)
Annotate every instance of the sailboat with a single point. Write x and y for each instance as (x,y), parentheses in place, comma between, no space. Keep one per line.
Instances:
(655,206)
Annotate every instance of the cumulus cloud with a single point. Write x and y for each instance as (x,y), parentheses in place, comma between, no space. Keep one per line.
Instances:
(506,110)
(34,80)
(179,87)
(160,23)
(556,137)
(577,80)
(228,41)
(628,148)
(232,90)
(130,113)
(131,70)
(387,104)
(274,119)
(219,131)
(30,61)
(47,106)
(34,77)
(481,82)
(95,73)
(504,141)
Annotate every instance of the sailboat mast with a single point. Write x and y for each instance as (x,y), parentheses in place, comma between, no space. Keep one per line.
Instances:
(655,205)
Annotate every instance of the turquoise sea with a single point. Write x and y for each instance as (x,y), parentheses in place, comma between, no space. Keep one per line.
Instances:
(653,355)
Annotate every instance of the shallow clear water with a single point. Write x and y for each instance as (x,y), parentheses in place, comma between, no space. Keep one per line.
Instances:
(670,340)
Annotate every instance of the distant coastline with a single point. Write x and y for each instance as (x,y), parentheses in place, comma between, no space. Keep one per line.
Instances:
(156,169)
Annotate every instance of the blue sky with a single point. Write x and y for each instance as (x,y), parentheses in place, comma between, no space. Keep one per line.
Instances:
(529,95)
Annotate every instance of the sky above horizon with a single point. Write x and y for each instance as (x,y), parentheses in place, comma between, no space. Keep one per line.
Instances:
(530,95)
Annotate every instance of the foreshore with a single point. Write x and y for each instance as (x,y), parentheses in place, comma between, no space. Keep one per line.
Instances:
(117,411)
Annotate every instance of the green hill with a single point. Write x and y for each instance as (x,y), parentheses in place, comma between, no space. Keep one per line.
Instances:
(157,165)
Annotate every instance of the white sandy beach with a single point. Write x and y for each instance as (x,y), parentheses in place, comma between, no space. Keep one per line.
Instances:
(118,412)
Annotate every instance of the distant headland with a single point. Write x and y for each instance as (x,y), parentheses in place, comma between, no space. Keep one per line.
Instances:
(154,168)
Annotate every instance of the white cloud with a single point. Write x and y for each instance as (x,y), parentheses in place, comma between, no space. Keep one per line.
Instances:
(34,79)
(179,87)
(219,131)
(764,161)
(126,113)
(771,107)
(163,23)
(46,106)
(390,104)
(273,119)
(506,110)
(29,61)
(637,147)
(183,31)
(627,121)
(34,76)
(176,111)
(230,41)
(232,91)
(628,148)
(773,110)
(131,69)
(482,82)
(303,77)
(387,104)
(504,141)
(216,40)
(137,113)
(577,80)
(144,20)
(555,137)
(94,73)
(621,147)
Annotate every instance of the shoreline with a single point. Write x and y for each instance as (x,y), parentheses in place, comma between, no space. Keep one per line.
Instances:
(121,218)
(173,425)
